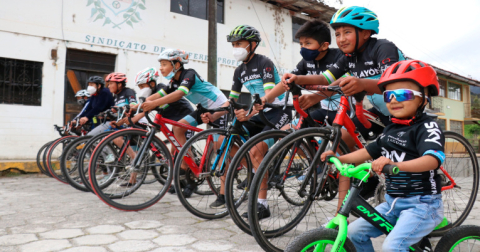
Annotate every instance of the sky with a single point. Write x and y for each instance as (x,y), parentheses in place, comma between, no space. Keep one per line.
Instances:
(443,33)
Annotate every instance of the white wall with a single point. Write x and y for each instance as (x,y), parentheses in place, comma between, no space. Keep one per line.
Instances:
(31,29)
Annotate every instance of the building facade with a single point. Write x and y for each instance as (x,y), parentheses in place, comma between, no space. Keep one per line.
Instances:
(49,48)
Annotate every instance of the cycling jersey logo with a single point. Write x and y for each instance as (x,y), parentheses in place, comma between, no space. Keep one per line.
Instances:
(434,133)
(368,63)
(243,73)
(385,61)
(117,12)
(254,70)
(267,74)
(400,134)
(393,155)
(310,65)
(351,65)
(184,82)
(268,69)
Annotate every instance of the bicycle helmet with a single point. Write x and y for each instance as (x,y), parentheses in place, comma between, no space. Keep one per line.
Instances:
(415,71)
(174,55)
(82,93)
(146,76)
(96,79)
(356,16)
(244,32)
(117,77)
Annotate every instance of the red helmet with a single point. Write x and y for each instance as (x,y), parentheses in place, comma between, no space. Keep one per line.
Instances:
(411,70)
(117,77)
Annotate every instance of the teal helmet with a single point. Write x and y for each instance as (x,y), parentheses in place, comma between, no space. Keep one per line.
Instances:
(244,32)
(359,17)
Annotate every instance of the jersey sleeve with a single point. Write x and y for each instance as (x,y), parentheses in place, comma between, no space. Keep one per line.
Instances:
(187,82)
(131,96)
(270,75)
(374,149)
(300,69)
(430,141)
(386,55)
(236,85)
(337,70)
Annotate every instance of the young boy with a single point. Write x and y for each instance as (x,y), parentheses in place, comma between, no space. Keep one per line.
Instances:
(188,83)
(365,58)
(415,144)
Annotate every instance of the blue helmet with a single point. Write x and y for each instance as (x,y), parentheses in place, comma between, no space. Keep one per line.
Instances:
(359,17)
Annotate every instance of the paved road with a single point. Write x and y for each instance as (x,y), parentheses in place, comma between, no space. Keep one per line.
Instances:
(41,214)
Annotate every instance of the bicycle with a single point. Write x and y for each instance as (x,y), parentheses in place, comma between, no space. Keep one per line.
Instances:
(274,236)
(40,154)
(333,237)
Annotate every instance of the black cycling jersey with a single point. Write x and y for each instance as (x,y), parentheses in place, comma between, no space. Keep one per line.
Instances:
(317,67)
(377,56)
(401,143)
(176,110)
(258,75)
(126,96)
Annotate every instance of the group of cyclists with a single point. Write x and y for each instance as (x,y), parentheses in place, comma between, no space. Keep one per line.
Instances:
(398,89)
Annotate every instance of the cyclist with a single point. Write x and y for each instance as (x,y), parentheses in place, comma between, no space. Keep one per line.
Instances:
(259,75)
(413,142)
(365,58)
(188,83)
(100,100)
(82,97)
(146,81)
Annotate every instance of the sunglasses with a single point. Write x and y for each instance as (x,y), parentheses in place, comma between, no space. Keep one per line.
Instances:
(400,95)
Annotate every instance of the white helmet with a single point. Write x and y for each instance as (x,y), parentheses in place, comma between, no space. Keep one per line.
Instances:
(146,75)
(174,55)
(82,93)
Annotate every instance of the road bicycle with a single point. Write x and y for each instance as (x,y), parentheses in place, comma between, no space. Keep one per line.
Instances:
(333,237)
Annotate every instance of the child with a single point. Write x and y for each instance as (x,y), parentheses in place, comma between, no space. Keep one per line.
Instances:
(415,144)
(188,83)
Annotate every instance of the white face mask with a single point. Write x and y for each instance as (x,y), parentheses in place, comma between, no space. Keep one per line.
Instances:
(240,53)
(145,92)
(91,90)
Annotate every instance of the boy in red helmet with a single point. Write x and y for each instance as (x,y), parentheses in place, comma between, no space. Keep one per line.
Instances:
(413,142)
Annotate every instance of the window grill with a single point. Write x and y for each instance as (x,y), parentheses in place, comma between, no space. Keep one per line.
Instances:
(20,82)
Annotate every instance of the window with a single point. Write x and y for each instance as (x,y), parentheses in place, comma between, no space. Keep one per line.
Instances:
(442,123)
(443,84)
(196,8)
(456,126)
(454,91)
(296,24)
(20,82)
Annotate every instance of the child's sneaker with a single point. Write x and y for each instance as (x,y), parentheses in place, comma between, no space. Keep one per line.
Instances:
(219,203)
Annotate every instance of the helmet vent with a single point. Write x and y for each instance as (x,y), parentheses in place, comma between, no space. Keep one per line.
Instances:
(346,13)
(410,68)
(370,19)
(358,18)
(395,69)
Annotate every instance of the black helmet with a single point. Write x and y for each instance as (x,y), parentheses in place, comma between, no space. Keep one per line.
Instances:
(96,79)
(246,32)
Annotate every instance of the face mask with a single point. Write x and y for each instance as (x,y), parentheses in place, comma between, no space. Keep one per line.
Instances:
(170,75)
(91,90)
(240,53)
(145,92)
(81,102)
(308,54)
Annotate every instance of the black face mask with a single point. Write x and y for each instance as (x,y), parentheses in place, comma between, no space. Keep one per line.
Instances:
(309,54)
(81,102)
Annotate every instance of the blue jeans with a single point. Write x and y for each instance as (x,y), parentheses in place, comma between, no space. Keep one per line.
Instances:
(413,218)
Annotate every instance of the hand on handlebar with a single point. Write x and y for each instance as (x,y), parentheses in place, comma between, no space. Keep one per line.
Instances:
(379,163)
(83,120)
(288,78)
(259,107)
(148,105)
(307,100)
(206,117)
(351,85)
(325,154)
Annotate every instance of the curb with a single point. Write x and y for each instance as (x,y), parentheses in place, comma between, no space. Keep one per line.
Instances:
(24,166)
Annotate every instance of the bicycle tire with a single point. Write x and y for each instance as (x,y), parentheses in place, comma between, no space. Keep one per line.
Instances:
(69,163)
(319,236)
(233,200)
(85,156)
(52,153)
(276,236)
(40,160)
(139,195)
(198,204)
(454,239)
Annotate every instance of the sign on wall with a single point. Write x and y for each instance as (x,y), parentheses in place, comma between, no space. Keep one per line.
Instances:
(117,12)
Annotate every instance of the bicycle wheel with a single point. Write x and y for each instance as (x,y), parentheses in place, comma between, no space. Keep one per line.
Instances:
(40,153)
(126,190)
(69,163)
(236,193)
(204,146)
(461,239)
(85,156)
(294,154)
(318,238)
(461,165)
(54,154)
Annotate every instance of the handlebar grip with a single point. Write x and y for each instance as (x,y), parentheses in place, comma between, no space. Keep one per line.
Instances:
(359,96)
(390,169)
(256,99)
(328,158)
(141,99)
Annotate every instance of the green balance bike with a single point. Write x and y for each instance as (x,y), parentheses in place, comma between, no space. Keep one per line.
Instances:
(333,237)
